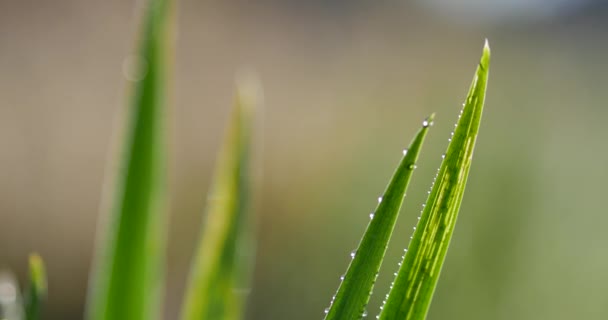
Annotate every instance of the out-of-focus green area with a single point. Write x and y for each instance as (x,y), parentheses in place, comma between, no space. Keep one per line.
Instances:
(343,81)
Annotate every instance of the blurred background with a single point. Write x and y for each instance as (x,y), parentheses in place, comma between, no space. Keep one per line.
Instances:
(347,84)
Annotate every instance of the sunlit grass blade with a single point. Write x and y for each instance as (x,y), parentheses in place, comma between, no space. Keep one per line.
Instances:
(129,264)
(221,267)
(412,291)
(36,291)
(357,284)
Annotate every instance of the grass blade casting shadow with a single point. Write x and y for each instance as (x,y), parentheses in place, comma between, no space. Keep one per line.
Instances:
(354,291)
(36,291)
(128,271)
(221,268)
(412,291)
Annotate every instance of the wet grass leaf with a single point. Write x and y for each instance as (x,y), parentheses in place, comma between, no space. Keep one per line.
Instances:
(353,294)
(413,288)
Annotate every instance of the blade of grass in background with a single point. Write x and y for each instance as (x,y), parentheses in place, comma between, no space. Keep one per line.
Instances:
(412,290)
(220,270)
(36,291)
(128,269)
(357,284)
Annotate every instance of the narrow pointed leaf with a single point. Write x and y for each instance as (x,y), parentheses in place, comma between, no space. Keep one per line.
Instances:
(219,278)
(129,264)
(357,284)
(37,289)
(411,294)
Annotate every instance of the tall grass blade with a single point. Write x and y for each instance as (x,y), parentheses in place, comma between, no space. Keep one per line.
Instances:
(411,293)
(219,276)
(357,284)
(129,264)
(37,288)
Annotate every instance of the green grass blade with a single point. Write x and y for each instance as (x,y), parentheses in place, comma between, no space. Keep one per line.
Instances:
(357,284)
(411,293)
(37,288)
(129,264)
(221,265)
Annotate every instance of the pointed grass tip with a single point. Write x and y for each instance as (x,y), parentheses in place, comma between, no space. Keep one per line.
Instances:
(249,88)
(485,56)
(37,274)
(428,121)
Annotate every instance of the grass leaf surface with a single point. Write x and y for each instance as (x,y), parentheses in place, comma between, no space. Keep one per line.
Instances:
(412,290)
(37,288)
(219,279)
(129,264)
(353,294)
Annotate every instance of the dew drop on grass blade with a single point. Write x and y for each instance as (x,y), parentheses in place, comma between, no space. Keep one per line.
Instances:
(413,288)
(355,289)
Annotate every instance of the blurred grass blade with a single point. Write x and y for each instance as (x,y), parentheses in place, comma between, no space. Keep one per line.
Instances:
(411,293)
(221,267)
(357,284)
(129,264)
(36,291)
(10,297)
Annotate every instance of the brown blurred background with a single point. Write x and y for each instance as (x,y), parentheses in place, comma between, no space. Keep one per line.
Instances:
(346,85)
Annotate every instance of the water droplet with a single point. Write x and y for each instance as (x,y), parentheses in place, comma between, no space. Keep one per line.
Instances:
(371,215)
(326,310)
(364,313)
(442,157)
(353,253)
(425,123)
(412,166)
(134,67)
(404,151)
(379,199)
(341,278)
